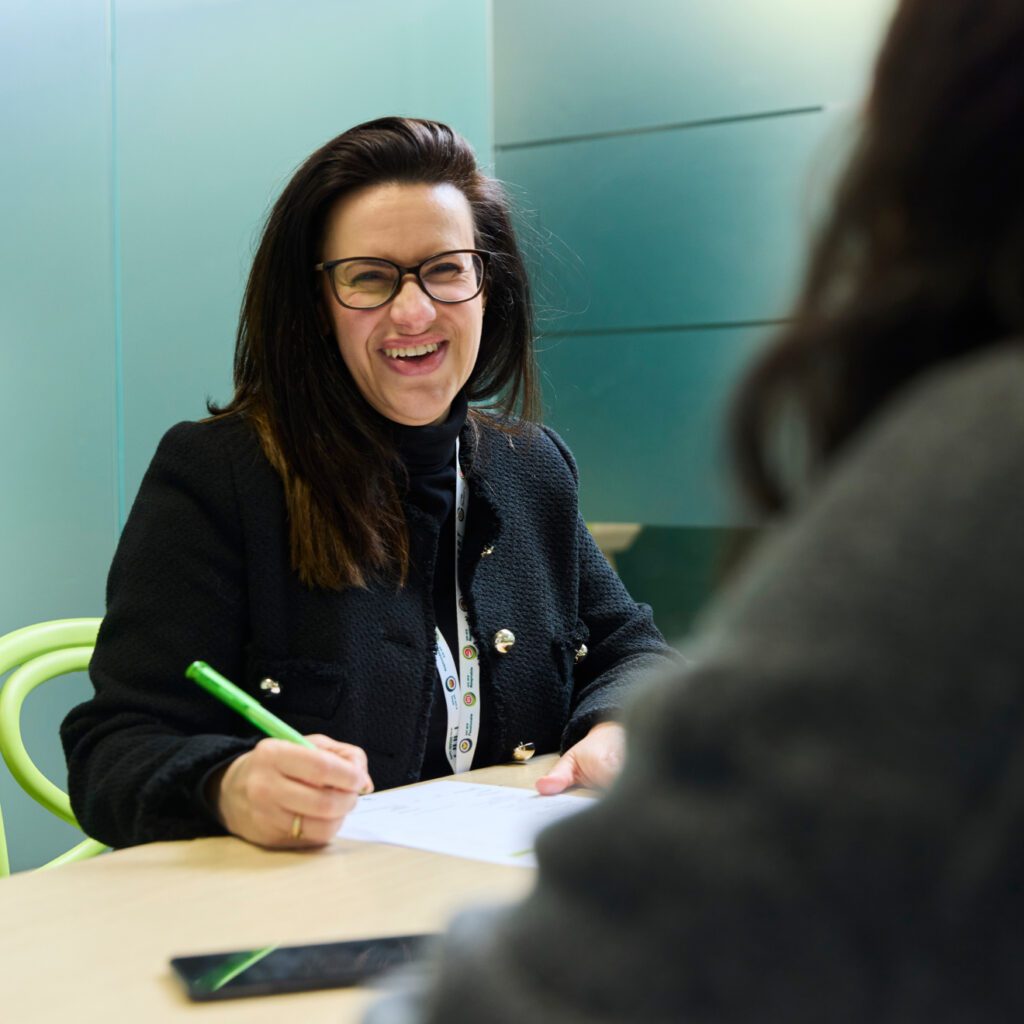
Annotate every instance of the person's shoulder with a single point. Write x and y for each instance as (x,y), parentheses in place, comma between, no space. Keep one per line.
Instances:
(515,445)
(946,445)
(228,434)
(961,406)
(978,382)
(207,450)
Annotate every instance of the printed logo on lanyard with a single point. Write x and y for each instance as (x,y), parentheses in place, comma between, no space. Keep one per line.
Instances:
(460,684)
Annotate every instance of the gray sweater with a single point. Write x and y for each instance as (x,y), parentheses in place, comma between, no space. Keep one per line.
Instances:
(823,820)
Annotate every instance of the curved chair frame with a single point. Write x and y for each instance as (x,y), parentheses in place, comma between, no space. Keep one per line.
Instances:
(39,653)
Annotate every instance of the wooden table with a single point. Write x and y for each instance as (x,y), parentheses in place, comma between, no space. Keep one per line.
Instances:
(91,941)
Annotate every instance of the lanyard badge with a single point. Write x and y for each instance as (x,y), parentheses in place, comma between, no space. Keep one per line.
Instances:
(460,683)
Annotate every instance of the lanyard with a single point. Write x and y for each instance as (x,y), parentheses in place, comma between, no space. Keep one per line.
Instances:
(460,684)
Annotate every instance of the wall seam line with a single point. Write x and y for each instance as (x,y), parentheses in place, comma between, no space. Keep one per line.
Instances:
(715,325)
(655,129)
(116,258)
(491,84)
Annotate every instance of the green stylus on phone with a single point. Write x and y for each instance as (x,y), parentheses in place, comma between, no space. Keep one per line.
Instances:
(238,700)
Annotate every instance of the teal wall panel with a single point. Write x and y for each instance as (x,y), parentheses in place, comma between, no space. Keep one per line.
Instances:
(642,417)
(218,103)
(673,569)
(669,157)
(566,67)
(58,519)
(681,227)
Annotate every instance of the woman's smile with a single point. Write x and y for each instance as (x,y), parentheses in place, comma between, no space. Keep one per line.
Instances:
(414,357)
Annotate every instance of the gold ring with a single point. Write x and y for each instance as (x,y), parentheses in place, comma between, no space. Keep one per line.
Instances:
(297,827)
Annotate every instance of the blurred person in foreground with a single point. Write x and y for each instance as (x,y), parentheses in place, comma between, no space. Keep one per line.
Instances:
(824,820)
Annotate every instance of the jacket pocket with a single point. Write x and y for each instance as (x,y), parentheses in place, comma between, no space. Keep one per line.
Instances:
(375,698)
(295,687)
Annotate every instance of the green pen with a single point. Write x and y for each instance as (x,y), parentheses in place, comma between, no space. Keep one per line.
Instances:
(238,700)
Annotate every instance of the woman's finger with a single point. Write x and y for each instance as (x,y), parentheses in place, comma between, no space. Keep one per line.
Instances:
(314,767)
(560,778)
(347,751)
(314,801)
(297,831)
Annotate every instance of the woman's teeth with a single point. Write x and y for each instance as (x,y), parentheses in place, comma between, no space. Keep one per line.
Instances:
(415,350)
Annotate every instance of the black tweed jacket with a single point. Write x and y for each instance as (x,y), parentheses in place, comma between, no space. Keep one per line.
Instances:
(202,571)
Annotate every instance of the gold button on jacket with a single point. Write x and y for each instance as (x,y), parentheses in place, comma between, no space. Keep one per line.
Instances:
(504,640)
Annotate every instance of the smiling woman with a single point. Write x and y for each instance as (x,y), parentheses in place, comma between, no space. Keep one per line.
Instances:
(401,576)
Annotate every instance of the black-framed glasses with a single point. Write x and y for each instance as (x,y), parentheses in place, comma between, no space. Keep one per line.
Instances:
(366,282)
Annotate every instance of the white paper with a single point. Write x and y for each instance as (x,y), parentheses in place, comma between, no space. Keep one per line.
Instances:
(491,823)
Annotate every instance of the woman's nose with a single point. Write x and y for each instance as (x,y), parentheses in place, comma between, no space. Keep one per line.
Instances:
(412,306)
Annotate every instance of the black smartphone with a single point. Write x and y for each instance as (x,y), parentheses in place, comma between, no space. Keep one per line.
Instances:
(260,972)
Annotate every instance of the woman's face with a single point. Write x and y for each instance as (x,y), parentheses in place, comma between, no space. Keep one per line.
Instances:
(405,224)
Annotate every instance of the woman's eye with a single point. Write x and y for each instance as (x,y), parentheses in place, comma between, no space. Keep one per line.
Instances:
(445,270)
(369,277)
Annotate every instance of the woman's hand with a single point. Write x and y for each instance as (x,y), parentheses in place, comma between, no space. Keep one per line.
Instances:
(280,794)
(593,762)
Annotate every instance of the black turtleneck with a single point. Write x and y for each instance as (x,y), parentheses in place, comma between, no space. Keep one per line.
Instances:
(429,457)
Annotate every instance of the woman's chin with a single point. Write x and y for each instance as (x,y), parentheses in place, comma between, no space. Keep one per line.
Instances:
(419,414)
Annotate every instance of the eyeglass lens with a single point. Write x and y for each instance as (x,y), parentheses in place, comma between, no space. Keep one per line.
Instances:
(447,277)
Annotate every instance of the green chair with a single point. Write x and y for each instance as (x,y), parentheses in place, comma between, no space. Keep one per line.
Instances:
(36,654)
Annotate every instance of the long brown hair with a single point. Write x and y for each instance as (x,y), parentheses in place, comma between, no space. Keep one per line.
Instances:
(335,455)
(922,257)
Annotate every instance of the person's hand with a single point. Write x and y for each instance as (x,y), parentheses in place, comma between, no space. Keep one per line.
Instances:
(280,794)
(593,762)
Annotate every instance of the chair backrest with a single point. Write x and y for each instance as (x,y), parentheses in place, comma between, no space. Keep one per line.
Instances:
(36,654)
